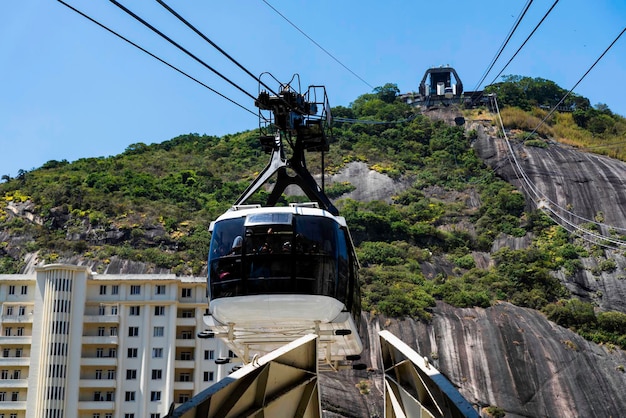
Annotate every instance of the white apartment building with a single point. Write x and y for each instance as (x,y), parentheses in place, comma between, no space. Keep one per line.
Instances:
(74,344)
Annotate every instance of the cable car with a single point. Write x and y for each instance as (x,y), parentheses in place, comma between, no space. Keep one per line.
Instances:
(276,273)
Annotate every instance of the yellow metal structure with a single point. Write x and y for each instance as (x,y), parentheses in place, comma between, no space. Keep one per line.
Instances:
(283,383)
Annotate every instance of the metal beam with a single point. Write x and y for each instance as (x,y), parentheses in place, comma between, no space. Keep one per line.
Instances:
(414,388)
(283,383)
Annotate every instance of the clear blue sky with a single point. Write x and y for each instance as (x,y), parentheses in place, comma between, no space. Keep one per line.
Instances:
(71,90)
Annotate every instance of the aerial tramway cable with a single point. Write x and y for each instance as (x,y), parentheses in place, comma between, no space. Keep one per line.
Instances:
(537,196)
(316,44)
(183,49)
(214,45)
(155,56)
(504,44)
(525,41)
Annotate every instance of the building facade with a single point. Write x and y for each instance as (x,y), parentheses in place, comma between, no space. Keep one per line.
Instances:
(80,345)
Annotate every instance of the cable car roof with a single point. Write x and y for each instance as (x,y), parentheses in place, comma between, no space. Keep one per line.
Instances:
(255,214)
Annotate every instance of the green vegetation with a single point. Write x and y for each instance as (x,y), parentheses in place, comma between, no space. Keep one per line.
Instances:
(524,101)
(153,203)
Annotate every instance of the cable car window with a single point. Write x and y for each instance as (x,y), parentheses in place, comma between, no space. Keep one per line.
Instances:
(343,265)
(274,253)
(225,258)
(268,219)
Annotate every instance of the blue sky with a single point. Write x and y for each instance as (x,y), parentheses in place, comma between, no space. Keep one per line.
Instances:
(71,90)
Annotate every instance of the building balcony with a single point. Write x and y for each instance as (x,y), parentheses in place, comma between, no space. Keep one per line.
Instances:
(98,361)
(100,340)
(17,319)
(96,405)
(189,322)
(14,361)
(17,340)
(13,406)
(183,386)
(98,383)
(13,384)
(101,319)
(184,364)
(185,342)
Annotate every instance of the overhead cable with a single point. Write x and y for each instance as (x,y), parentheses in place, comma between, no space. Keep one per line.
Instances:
(524,43)
(555,107)
(214,45)
(578,82)
(316,44)
(154,56)
(504,44)
(177,45)
(539,198)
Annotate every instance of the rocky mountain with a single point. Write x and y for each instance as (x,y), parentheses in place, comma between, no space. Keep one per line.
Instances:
(513,357)
(504,355)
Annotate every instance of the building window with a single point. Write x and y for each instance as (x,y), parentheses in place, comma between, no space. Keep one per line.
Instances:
(15,396)
(153,415)
(9,310)
(111,374)
(183,397)
(4,375)
(159,289)
(115,289)
(103,289)
(110,396)
(131,415)
(130,396)
(98,374)
(185,355)
(11,290)
(159,310)
(133,331)
(188,313)
(99,352)
(101,310)
(157,374)
(134,310)
(3,396)
(24,290)
(17,374)
(131,374)
(187,335)
(158,332)
(113,352)
(185,377)
(208,376)
(18,352)
(209,354)
(157,352)
(186,292)
(21,311)
(155,395)
(108,415)
(97,397)
(113,332)
(132,353)
(5,352)
(7,331)
(135,289)
(20,331)
(96,415)
(113,309)
(100,331)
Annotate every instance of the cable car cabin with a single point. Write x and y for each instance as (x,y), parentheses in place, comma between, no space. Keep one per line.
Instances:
(278,273)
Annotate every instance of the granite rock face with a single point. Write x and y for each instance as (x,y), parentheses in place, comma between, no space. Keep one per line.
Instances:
(516,359)
(581,190)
